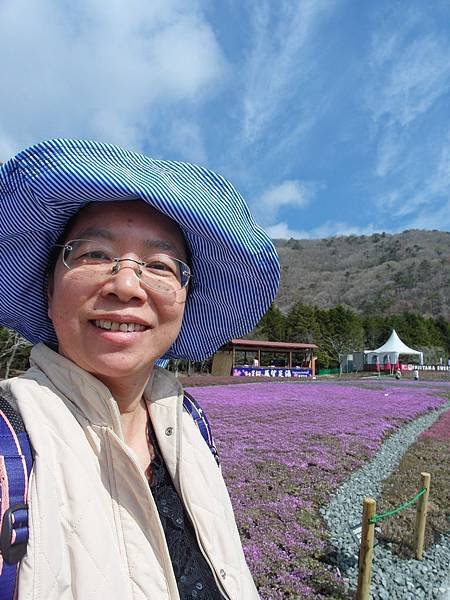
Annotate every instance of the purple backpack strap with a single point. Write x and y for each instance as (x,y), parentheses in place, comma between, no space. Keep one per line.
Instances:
(15,466)
(195,410)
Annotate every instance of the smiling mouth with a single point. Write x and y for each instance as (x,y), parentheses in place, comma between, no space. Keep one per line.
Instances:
(115,326)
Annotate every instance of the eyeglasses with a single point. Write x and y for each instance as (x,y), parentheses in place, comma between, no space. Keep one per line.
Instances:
(97,260)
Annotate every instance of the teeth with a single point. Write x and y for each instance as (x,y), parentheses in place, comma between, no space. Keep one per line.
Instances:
(114,326)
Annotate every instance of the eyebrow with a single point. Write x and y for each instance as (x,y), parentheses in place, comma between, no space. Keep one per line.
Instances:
(105,234)
(97,232)
(162,245)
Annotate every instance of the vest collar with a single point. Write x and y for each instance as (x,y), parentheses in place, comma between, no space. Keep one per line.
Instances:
(93,399)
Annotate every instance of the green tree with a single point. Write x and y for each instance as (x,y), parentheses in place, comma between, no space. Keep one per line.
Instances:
(412,329)
(443,327)
(376,331)
(341,332)
(302,325)
(273,325)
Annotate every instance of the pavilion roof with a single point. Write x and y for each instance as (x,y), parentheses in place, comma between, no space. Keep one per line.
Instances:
(265,345)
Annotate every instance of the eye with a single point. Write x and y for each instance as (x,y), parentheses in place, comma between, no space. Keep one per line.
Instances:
(163,265)
(87,252)
(91,257)
(95,255)
(159,266)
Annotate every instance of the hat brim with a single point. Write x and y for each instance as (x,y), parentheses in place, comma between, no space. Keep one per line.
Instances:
(234,263)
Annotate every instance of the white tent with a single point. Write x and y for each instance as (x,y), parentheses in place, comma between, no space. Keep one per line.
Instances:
(390,350)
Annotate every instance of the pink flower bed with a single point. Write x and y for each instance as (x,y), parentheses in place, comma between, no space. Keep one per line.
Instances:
(285,447)
(440,430)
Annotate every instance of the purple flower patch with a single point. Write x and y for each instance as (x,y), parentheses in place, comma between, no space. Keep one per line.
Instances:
(285,447)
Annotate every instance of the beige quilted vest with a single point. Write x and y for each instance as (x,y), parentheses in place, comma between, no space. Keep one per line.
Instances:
(94,528)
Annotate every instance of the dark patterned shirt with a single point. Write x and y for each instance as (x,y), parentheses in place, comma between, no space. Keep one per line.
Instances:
(192,573)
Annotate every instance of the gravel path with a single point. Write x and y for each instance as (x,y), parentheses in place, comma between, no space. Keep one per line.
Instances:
(393,578)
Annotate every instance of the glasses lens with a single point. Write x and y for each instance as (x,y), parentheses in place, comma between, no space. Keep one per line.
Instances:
(164,273)
(87,253)
(159,272)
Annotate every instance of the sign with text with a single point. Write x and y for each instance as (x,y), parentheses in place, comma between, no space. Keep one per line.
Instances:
(271,372)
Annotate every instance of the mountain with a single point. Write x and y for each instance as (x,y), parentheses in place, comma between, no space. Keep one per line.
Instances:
(380,273)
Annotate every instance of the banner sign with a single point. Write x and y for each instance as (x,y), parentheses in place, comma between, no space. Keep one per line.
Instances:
(271,372)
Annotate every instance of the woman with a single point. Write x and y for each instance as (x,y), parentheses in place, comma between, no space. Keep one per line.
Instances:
(111,261)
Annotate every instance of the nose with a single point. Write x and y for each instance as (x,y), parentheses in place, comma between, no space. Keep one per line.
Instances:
(124,282)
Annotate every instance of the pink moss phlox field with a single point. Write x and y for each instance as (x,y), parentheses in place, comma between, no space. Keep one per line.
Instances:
(440,430)
(285,447)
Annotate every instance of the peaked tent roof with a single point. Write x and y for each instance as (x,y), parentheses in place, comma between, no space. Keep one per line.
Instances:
(393,347)
(395,344)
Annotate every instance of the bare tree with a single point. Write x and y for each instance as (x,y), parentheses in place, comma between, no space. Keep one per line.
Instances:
(13,346)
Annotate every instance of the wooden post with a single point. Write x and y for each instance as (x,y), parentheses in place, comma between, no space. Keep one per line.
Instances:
(421,516)
(366,549)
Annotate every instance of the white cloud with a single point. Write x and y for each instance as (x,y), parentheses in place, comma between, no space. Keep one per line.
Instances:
(299,194)
(289,193)
(101,69)
(429,204)
(389,151)
(277,64)
(423,202)
(337,228)
(282,231)
(410,72)
(185,138)
(7,147)
(431,218)
(328,229)
(409,84)
(409,75)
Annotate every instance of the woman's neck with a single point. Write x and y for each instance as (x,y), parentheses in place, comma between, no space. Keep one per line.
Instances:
(134,421)
(128,395)
(127,391)
(134,417)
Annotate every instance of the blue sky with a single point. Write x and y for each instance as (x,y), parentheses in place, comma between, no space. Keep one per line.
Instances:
(330,117)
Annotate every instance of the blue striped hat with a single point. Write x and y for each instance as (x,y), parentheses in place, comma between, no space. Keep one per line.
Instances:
(234,263)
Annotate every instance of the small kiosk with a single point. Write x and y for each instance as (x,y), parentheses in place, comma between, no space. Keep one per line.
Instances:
(259,358)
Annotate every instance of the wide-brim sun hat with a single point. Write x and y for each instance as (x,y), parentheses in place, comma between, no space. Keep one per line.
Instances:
(235,268)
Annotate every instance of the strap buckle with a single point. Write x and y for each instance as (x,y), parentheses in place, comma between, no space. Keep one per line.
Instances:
(17,526)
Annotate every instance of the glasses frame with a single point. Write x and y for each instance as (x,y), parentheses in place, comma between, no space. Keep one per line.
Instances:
(185,270)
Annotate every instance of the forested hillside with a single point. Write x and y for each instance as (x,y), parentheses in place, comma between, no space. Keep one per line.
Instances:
(378,274)
(346,294)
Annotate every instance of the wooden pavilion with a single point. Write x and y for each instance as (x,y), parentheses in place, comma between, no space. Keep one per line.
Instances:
(260,358)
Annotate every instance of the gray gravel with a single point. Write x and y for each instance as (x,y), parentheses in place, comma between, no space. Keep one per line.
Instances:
(392,578)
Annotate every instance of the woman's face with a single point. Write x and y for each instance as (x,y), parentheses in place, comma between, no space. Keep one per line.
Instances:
(78,304)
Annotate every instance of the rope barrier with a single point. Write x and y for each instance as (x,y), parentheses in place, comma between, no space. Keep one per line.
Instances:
(377,518)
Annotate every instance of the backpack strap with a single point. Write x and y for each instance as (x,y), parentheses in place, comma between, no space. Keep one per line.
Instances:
(195,410)
(15,467)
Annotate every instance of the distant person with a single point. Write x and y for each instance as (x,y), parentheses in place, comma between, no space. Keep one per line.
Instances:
(416,374)
(255,362)
(111,261)
(398,374)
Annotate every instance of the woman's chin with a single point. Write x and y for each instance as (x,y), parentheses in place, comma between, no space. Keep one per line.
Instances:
(114,369)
